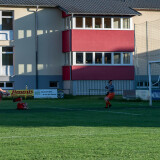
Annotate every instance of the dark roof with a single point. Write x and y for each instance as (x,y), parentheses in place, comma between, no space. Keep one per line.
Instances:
(107,7)
(143,4)
(99,7)
(44,3)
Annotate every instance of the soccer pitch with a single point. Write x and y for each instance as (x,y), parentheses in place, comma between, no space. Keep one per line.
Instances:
(79,128)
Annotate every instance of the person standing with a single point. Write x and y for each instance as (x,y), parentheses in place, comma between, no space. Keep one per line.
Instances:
(110,94)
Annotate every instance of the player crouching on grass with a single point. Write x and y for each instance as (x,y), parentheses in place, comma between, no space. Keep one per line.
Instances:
(3,92)
(20,104)
(110,94)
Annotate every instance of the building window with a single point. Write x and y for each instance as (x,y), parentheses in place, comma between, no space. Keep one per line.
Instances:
(140,84)
(1,85)
(98,58)
(126,23)
(102,58)
(117,23)
(98,22)
(89,58)
(107,58)
(6,85)
(7,56)
(126,58)
(144,84)
(117,58)
(102,22)
(6,59)
(79,58)
(155,84)
(107,22)
(9,85)
(7,20)
(88,21)
(54,84)
(79,22)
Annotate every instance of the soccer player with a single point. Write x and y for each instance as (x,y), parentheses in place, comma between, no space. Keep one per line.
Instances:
(110,94)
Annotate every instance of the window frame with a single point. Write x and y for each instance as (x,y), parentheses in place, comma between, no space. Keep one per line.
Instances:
(103,59)
(102,20)
(144,86)
(121,62)
(11,17)
(10,68)
(123,59)
(86,57)
(8,53)
(54,87)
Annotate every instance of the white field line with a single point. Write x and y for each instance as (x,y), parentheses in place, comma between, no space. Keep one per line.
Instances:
(126,113)
(54,135)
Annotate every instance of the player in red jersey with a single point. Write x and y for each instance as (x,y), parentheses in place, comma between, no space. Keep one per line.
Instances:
(110,94)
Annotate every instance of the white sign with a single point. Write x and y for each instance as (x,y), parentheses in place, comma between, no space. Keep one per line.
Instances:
(142,94)
(45,93)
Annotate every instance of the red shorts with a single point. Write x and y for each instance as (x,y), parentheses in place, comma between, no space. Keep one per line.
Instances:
(110,96)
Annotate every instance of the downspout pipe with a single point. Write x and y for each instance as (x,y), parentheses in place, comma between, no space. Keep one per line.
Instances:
(36,44)
(70,39)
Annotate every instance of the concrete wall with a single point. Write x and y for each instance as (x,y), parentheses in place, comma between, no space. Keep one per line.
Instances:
(146,16)
(147,40)
(50,56)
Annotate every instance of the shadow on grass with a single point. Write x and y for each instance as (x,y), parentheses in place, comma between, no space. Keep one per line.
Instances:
(86,117)
(86,111)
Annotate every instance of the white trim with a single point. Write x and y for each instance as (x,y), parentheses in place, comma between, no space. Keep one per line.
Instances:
(84,58)
(112,58)
(83,22)
(93,58)
(131,58)
(103,58)
(121,23)
(93,22)
(103,23)
(112,24)
(74,22)
(122,57)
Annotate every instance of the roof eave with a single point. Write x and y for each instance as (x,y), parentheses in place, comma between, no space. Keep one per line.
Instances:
(150,9)
(104,14)
(18,5)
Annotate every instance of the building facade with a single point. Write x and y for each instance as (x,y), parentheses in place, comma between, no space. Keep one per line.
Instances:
(68,45)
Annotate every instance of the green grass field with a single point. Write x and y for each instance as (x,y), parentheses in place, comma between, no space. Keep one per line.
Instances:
(80,128)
